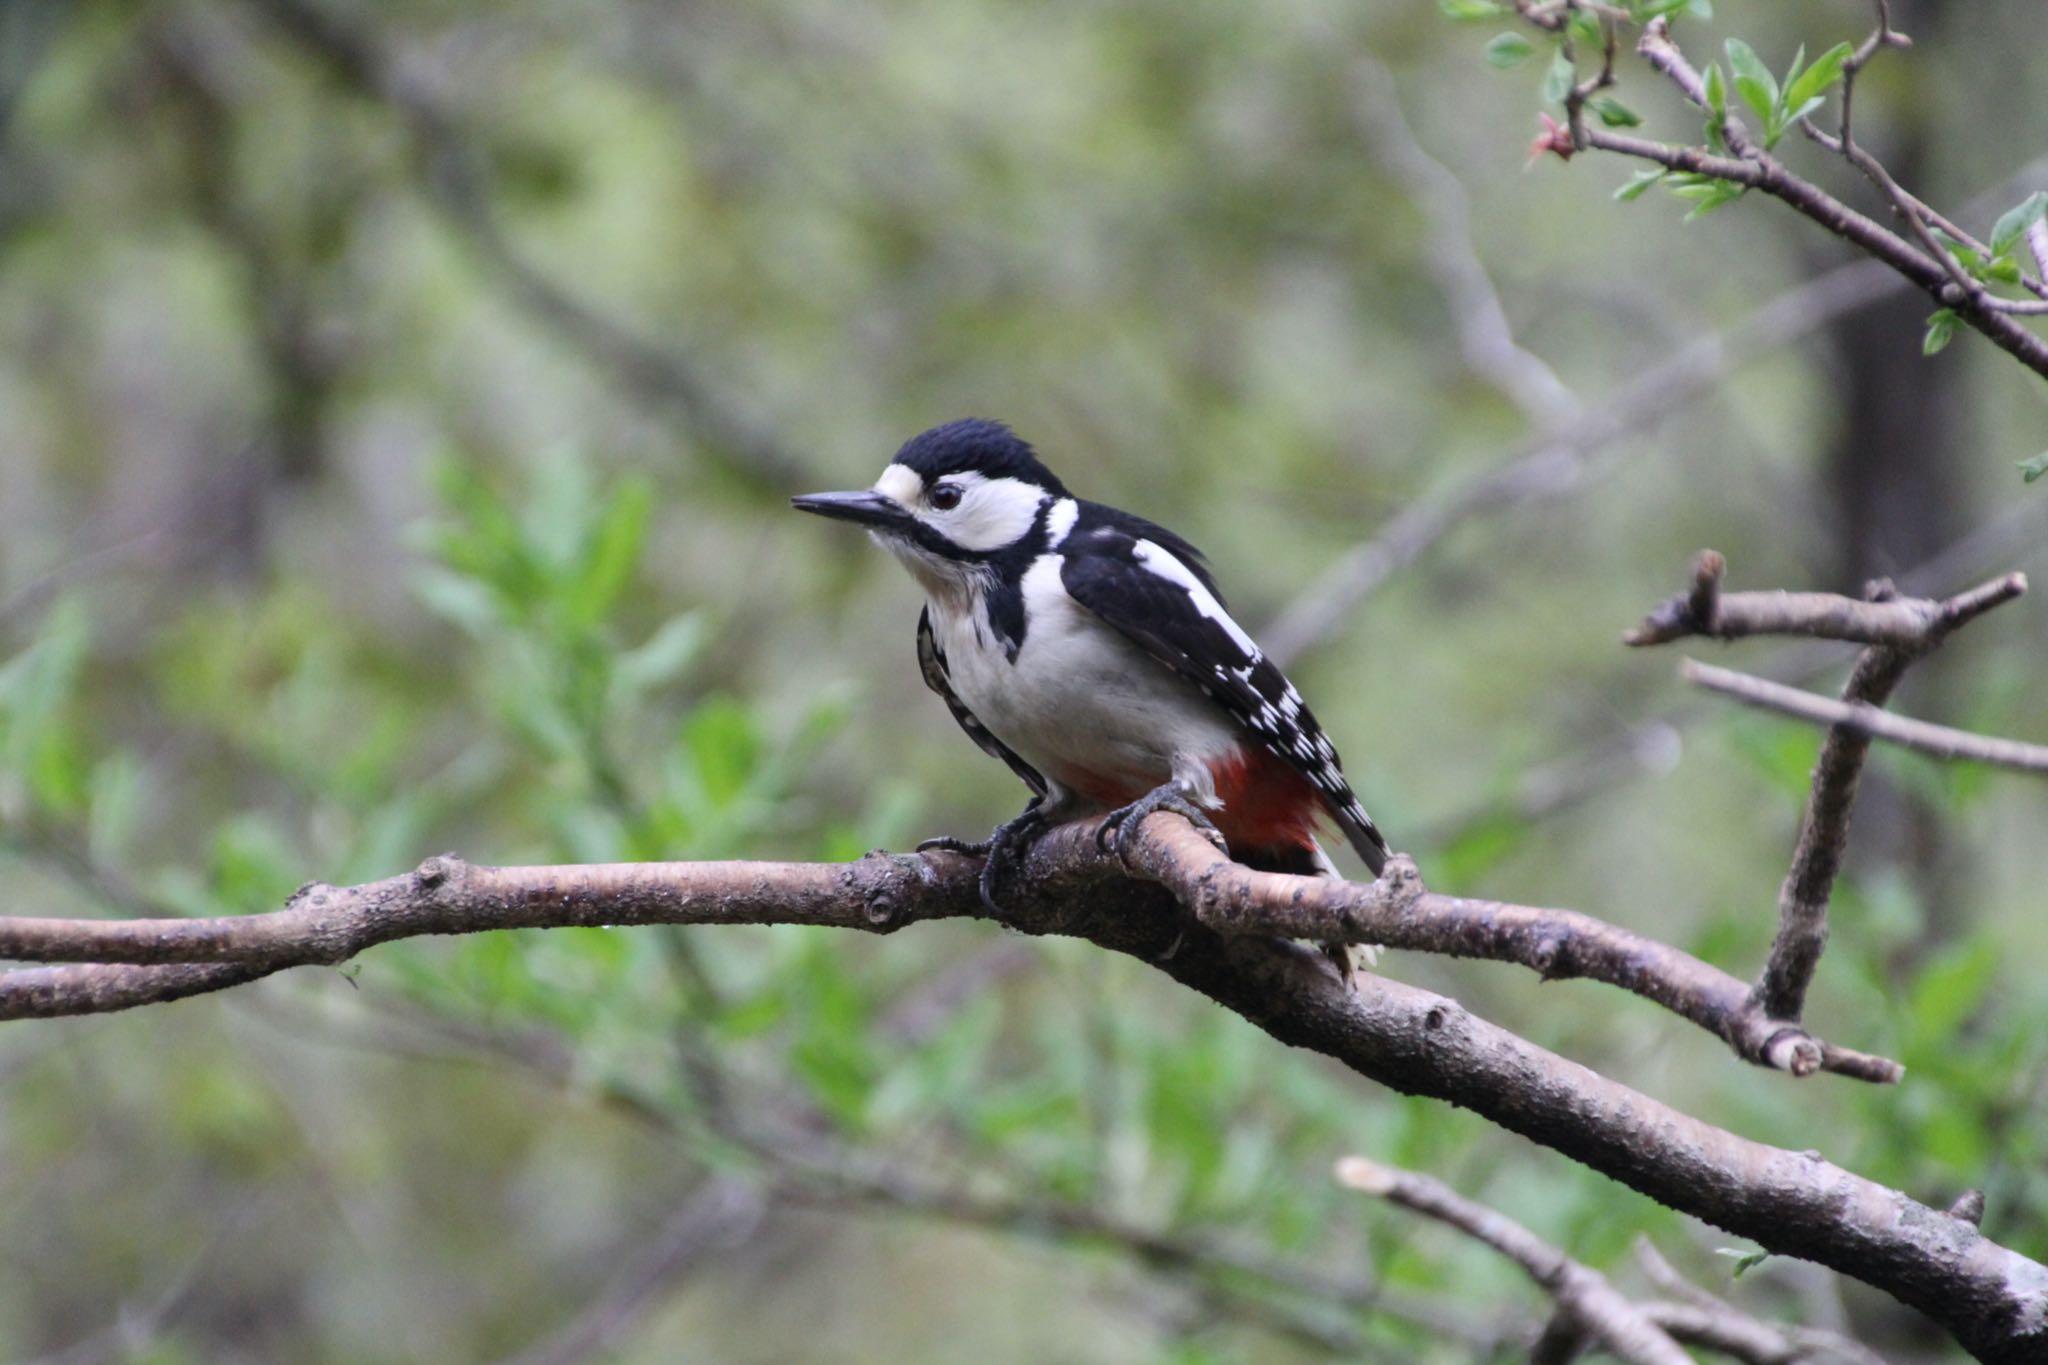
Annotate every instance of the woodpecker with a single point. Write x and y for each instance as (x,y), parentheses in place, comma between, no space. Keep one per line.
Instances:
(1090,650)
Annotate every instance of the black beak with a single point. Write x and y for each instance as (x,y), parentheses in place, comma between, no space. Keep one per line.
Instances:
(866,507)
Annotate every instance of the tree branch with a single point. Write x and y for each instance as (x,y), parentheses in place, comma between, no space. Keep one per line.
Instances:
(1585,1298)
(1912,624)
(1748,164)
(1895,632)
(1994,1300)
(1940,741)
(326,925)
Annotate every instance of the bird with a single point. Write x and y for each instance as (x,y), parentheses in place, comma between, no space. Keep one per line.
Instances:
(1091,651)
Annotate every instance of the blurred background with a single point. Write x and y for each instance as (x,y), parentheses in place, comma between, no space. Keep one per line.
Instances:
(398,406)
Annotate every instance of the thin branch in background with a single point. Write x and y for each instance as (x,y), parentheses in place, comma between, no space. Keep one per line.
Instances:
(453,177)
(720,1214)
(1895,631)
(1940,741)
(1484,336)
(1587,1303)
(1705,1319)
(1551,465)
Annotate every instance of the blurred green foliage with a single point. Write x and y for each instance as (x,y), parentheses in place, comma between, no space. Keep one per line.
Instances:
(329,540)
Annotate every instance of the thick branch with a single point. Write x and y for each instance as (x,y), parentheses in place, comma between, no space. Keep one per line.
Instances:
(326,925)
(1582,1293)
(1994,1300)
(1398,911)
(1921,736)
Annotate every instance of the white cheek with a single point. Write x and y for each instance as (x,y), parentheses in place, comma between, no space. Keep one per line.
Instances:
(993,514)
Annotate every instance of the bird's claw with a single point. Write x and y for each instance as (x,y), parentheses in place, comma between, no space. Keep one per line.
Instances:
(1122,823)
(1007,845)
(1001,853)
(946,843)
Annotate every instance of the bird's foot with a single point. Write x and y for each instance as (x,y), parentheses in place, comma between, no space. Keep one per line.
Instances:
(1002,853)
(1007,845)
(1121,824)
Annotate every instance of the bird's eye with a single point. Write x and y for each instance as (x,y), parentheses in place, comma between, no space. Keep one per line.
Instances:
(946,497)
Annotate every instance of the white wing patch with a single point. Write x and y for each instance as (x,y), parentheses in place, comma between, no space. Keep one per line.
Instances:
(1162,561)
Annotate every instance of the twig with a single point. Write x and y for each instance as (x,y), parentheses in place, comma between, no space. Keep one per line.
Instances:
(1895,631)
(1484,335)
(1704,1319)
(1749,165)
(1921,736)
(1398,911)
(1583,1294)
(1906,623)
(721,1213)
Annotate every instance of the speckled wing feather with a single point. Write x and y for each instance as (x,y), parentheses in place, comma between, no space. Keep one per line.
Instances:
(1140,580)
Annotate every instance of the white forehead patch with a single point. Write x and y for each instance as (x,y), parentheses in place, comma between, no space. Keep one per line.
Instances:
(901,484)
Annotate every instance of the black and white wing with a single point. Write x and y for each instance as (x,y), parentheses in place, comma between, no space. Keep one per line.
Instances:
(931,661)
(1151,586)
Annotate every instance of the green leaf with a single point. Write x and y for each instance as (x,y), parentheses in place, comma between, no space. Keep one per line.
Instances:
(1745,1261)
(1559,80)
(1472,11)
(2033,469)
(1614,113)
(1753,80)
(2013,225)
(610,551)
(1706,193)
(1941,330)
(1638,184)
(1716,92)
(1804,90)
(1508,50)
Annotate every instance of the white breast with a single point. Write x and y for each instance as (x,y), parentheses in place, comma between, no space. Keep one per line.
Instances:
(1079,695)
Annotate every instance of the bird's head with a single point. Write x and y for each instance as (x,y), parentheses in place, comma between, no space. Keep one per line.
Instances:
(954,499)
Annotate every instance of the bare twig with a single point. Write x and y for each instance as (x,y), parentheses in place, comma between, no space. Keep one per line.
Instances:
(1552,464)
(1895,631)
(1906,623)
(1583,1294)
(1484,335)
(1704,1319)
(723,1212)
(1938,740)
